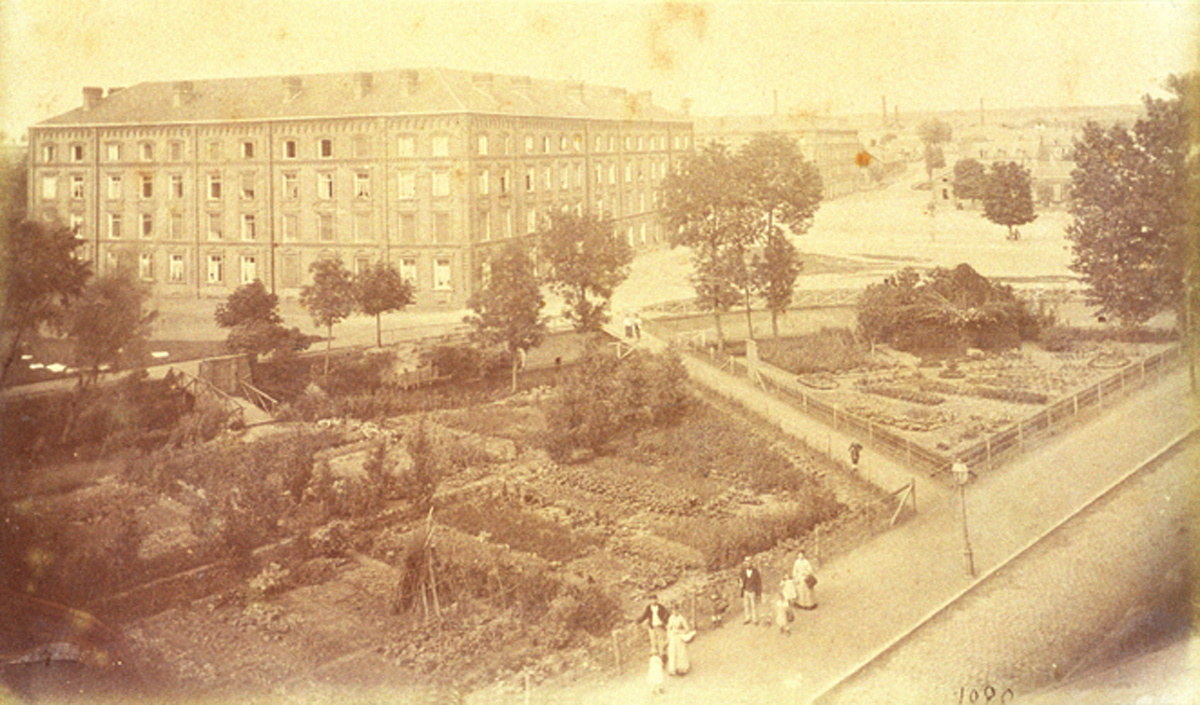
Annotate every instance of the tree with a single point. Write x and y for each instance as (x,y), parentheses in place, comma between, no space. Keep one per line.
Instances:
(379,289)
(507,310)
(933,134)
(251,314)
(775,272)
(1134,211)
(1008,197)
(108,324)
(970,178)
(585,261)
(330,298)
(42,274)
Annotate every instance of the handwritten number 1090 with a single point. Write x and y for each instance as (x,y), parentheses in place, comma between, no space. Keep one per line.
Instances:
(985,696)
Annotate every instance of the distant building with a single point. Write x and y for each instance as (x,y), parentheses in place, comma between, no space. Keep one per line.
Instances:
(200,186)
(830,148)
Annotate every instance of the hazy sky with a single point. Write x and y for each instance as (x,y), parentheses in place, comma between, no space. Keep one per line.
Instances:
(836,57)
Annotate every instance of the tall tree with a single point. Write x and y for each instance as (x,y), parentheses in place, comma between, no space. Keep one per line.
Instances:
(1008,197)
(507,310)
(108,324)
(970,178)
(330,298)
(934,133)
(1134,207)
(42,273)
(251,314)
(379,289)
(584,262)
(775,272)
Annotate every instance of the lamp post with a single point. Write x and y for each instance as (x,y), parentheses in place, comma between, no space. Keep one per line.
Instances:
(962,474)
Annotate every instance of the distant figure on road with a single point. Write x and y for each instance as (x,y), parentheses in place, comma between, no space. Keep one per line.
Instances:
(628,321)
(751,583)
(855,452)
(679,633)
(637,325)
(656,617)
(806,582)
(719,607)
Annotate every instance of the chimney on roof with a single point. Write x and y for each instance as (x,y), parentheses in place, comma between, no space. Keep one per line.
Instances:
(482,81)
(115,90)
(363,82)
(685,106)
(292,84)
(408,82)
(92,97)
(182,92)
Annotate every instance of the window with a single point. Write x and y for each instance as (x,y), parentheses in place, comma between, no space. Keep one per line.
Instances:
(562,143)
(147,188)
(643,232)
(247,150)
(248,227)
(642,202)
(577,143)
(291,226)
(216,230)
(147,225)
(146,266)
(214,151)
(545,143)
(408,270)
(289,149)
(114,186)
(291,187)
(176,185)
(76,152)
(579,175)
(531,220)
(612,174)
(112,152)
(504,177)
(361,264)
(599,174)
(216,269)
(77,224)
(406,146)
(49,187)
(325,185)
(146,151)
(564,177)
(247,187)
(176,151)
(441,146)
(114,226)
(599,143)
(641,146)
(441,274)
(612,142)
(441,183)
(249,269)
(483,144)
(362,185)
(441,227)
(214,187)
(485,226)
(362,146)
(548,178)
(48,153)
(362,226)
(508,222)
(529,144)
(529,180)
(176,226)
(325,148)
(628,173)
(175,269)
(408,184)
(325,227)
(408,227)
(483,182)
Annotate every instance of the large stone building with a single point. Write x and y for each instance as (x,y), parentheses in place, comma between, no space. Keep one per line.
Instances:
(830,147)
(200,186)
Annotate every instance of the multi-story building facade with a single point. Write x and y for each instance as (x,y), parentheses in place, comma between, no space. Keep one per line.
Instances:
(201,186)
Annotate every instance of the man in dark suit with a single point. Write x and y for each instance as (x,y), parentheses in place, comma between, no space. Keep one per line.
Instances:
(656,616)
(751,583)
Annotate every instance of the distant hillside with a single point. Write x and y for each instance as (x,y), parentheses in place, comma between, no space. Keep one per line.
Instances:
(1067,116)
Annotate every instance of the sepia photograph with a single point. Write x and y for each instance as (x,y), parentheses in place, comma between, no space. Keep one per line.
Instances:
(599,352)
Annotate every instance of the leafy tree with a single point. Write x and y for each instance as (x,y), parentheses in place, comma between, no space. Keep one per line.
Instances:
(507,310)
(251,314)
(1008,197)
(108,324)
(1134,207)
(934,133)
(775,272)
(380,289)
(330,298)
(585,262)
(41,274)
(970,178)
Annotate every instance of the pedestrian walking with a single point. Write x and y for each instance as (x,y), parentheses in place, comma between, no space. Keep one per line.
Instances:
(655,673)
(751,584)
(719,607)
(783,608)
(806,581)
(855,451)
(637,325)
(679,633)
(787,588)
(656,617)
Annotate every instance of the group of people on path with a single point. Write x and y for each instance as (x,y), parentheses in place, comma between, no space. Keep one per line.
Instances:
(670,632)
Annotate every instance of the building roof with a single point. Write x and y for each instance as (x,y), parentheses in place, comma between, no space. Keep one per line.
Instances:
(398,92)
(750,124)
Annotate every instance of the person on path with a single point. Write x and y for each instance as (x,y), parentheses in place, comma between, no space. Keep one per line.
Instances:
(655,674)
(637,325)
(656,617)
(806,581)
(783,608)
(787,588)
(679,633)
(719,607)
(855,452)
(751,583)
(628,321)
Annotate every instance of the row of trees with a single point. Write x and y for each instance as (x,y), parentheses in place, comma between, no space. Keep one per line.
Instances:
(1005,189)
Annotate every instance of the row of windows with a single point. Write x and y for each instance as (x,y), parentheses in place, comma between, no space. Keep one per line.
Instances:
(360,147)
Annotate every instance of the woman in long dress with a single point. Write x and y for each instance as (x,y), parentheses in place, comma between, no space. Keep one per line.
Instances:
(806,580)
(678,635)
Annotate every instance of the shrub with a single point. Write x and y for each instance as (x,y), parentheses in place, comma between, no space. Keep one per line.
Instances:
(829,350)
(1064,338)
(510,525)
(466,362)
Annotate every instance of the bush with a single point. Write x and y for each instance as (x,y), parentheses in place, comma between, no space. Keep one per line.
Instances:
(829,350)
(1064,338)
(518,529)
(466,362)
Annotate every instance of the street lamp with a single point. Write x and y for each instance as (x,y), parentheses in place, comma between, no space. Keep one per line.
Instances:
(962,474)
